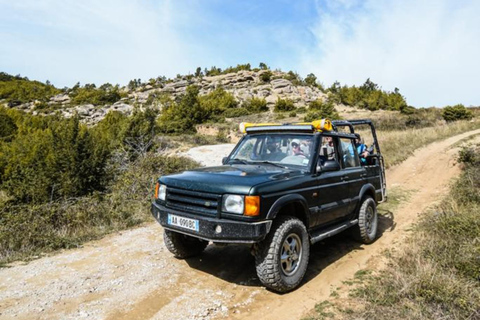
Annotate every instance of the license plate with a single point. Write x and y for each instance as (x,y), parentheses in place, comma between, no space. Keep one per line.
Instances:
(185,223)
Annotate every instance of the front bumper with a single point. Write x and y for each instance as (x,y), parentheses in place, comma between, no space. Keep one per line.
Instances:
(232,231)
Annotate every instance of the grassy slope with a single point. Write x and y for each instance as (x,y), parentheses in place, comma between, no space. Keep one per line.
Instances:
(436,275)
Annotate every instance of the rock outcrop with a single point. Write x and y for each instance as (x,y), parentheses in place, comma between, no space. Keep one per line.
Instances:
(243,85)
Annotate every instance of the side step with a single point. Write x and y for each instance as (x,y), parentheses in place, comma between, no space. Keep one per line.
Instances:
(331,231)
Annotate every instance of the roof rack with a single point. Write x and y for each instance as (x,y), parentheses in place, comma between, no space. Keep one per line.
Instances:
(314,126)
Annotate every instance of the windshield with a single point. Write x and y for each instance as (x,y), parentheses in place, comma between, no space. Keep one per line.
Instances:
(284,149)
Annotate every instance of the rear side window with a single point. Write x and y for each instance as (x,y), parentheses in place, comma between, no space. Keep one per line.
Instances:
(349,157)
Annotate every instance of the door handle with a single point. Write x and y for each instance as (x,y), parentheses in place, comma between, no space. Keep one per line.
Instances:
(345,177)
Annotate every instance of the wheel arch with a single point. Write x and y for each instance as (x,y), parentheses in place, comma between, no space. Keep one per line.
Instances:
(294,205)
(367,190)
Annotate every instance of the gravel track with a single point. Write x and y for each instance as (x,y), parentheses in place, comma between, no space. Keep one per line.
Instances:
(131,275)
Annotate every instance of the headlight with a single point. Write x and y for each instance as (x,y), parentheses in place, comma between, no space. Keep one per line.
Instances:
(162,192)
(233,203)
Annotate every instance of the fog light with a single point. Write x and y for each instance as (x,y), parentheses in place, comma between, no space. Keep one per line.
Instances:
(218,229)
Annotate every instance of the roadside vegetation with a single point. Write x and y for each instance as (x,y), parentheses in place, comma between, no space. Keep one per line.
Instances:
(436,274)
(397,146)
(63,183)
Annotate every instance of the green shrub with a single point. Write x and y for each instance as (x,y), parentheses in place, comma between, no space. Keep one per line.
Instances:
(255,105)
(457,112)
(139,131)
(30,229)
(292,114)
(90,94)
(8,128)
(311,80)
(319,110)
(237,112)
(369,96)
(294,78)
(301,110)
(284,105)
(217,102)
(266,76)
(183,116)
(18,90)
(62,160)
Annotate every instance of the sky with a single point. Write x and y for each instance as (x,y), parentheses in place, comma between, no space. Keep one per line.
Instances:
(429,50)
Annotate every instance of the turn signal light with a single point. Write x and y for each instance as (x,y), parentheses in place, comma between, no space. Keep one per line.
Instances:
(252,206)
(156,190)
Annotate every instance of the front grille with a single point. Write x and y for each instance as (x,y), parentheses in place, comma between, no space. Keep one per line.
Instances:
(193,201)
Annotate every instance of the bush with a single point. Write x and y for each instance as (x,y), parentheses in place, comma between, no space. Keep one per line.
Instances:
(183,116)
(31,229)
(284,105)
(217,102)
(89,94)
(237,112)
(266,76)
(8,128)
(320,110)
(457,112)
(301,110)
(255,105)
(17,90)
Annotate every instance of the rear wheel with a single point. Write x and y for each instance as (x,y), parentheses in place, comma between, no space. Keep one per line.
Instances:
(366,230)
(183,246)
(281,259)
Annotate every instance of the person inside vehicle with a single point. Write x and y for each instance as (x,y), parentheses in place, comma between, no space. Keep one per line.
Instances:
(362,149)
(274,151)
(306,147)
(328,149)
(297,151)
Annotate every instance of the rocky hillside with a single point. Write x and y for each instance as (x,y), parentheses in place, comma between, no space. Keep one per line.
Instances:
(243,85)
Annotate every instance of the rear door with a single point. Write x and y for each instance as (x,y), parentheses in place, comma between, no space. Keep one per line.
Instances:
(353,177)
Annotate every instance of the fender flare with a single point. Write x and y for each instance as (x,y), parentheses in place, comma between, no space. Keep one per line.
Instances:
(366,188)
(285,200)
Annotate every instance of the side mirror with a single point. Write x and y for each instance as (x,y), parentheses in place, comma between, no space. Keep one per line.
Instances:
(224,160)
(328,165)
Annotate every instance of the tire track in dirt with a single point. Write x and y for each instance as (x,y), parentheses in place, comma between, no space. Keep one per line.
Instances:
(131,275)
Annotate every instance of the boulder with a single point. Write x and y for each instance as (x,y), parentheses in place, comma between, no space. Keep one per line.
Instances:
(61,98)
(280,83)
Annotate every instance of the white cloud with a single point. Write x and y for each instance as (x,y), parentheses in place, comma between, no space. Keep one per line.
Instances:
(92,41)
(428,49)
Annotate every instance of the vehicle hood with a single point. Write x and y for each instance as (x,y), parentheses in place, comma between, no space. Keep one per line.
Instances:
(234,179)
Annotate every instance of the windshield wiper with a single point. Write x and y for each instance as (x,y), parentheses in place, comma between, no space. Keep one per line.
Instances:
(238,161)
(270,163)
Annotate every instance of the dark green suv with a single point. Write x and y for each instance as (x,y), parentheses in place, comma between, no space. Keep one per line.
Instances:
(282,188)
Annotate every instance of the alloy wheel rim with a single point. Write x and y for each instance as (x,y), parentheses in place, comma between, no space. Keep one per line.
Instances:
(291,254)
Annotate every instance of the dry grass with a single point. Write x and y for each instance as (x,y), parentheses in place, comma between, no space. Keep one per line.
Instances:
(436,273)
(397,146)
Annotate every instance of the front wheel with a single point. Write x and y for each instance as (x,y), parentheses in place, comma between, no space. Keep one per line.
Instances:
(183,246)
(366,230)
(281,259)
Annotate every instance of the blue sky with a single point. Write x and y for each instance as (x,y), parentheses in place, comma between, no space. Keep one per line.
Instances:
(430,50)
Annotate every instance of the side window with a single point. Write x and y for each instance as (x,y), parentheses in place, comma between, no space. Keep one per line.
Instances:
(349,156)
(327,149)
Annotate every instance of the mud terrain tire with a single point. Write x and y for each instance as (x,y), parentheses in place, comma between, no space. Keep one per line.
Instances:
(366,230)
(183,246)
(281,259)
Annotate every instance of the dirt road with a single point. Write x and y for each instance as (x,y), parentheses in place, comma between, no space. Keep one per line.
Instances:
(131,275)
